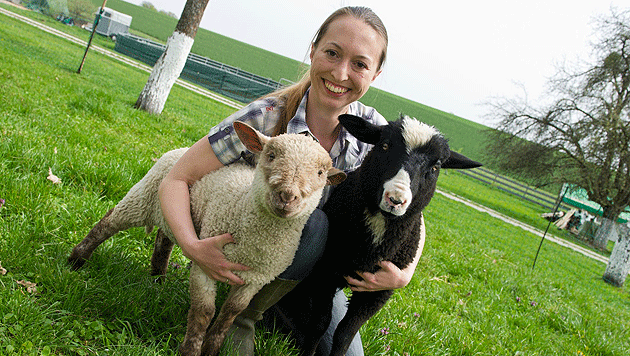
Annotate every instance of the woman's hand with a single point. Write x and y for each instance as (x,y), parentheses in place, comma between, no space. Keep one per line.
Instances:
(208,255)
(387,278)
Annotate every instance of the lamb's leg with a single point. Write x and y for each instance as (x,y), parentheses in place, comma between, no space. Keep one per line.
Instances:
(362,306)
(203,291)
(237,300)
(161,254)
(103,230)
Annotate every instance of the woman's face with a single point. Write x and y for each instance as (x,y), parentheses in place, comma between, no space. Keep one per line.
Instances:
(345,62)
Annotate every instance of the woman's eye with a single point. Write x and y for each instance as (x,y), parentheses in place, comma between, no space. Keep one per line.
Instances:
(361,65)
(331,53)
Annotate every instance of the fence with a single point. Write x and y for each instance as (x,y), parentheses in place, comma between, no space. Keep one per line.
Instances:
(230,81)
(544,199)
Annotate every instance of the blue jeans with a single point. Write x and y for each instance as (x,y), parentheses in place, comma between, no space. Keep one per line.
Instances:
(310,250)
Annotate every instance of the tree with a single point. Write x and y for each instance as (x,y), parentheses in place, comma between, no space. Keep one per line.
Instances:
(148,5)
(582,135)
(81,10)
(170,64)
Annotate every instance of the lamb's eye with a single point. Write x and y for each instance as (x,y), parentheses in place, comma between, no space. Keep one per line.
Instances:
(385,146)
(320,172)
(434,169)
(271,157)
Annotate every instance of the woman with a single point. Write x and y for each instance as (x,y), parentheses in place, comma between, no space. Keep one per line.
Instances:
(346,57)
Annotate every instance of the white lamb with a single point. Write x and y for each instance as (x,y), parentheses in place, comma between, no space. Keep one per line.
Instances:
(265,210)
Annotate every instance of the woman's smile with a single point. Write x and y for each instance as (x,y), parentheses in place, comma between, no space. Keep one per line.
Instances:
(334,88)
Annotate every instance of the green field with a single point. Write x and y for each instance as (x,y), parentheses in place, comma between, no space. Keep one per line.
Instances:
(465,136)
(473,293)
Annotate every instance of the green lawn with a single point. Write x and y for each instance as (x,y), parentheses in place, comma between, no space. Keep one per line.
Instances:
(473,293)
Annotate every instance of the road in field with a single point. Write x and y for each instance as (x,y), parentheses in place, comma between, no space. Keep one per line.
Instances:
(533,230)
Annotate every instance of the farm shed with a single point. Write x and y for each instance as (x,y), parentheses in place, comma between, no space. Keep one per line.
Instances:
(578,198)
(113,23)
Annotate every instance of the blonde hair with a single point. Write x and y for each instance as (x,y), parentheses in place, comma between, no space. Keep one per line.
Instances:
(291,96)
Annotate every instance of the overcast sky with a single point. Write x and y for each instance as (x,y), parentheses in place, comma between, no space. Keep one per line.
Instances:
(451,55)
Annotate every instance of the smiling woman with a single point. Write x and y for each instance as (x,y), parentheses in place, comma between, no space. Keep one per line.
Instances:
(347,55)
(345,62)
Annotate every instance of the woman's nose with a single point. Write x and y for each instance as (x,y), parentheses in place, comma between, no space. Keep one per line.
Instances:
(340,73)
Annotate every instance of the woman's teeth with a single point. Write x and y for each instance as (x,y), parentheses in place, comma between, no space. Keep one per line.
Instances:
(334,88)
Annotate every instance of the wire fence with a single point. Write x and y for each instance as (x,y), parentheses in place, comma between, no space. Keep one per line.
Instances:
(230,81)
(542,198)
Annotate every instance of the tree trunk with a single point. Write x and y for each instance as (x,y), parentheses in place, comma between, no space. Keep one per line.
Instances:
(603,234)
(607,230)
(619,263)
(171,63)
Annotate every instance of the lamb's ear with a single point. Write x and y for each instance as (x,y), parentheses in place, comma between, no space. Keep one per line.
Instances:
(253,140)
(459,161)
(361,129)
(335,176)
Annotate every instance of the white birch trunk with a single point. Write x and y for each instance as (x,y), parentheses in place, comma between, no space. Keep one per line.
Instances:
(165,72)
(619,263)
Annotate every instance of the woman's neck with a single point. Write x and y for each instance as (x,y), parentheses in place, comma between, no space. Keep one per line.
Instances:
(324,124)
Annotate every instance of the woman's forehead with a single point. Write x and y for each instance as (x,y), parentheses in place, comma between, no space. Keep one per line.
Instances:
(352,34)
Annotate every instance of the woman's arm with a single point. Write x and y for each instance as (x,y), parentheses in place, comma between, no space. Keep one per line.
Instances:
(389,276)
(198,161)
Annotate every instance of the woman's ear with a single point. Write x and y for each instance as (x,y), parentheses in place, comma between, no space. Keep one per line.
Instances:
(376,75)
(312,52)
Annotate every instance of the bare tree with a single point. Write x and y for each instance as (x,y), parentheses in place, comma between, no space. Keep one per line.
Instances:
(171,63)
(582,136)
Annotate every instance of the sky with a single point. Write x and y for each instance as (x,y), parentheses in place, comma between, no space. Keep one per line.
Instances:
(453,55)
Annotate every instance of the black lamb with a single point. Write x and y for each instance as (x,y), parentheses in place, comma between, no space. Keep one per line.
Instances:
(374,216)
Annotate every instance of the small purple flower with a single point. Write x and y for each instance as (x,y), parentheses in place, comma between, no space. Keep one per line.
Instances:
(2,201)
(533,303)
(416,315)
(387,347)
(518,299)
(385,331)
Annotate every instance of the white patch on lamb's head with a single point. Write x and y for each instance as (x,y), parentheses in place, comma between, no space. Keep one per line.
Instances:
(417,133)
(397,194)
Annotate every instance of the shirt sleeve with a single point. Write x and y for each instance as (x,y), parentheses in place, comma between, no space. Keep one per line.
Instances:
(225,142)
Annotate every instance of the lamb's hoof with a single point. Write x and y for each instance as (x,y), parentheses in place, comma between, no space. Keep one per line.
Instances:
(76,262)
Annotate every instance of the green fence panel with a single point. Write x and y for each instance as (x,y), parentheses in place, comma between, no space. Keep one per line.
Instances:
(230,81)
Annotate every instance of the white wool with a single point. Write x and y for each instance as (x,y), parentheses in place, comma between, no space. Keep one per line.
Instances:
(233,200)
(417,133)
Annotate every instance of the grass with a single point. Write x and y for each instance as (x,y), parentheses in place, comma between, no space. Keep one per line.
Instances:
(473,292)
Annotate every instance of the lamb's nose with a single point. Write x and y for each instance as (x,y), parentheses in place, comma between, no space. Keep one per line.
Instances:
(395,201)
(287,197)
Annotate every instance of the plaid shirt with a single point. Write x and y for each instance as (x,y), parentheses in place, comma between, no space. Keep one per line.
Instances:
(347,153)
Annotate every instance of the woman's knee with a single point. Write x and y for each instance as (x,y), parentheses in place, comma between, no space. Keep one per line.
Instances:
(311,248)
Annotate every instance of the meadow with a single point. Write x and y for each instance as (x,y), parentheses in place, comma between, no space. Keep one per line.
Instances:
(465,136)
(473,293)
